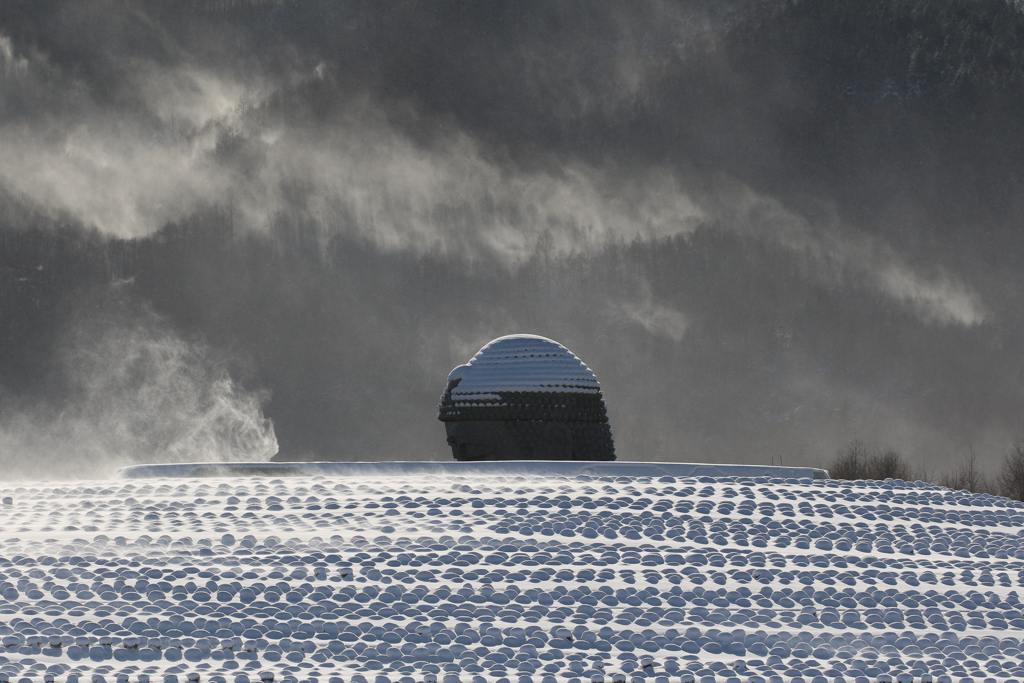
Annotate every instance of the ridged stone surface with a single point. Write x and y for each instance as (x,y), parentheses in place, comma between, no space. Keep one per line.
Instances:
(411,579)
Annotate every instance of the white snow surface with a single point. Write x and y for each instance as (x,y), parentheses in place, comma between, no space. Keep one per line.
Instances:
(520,578)
(522,362)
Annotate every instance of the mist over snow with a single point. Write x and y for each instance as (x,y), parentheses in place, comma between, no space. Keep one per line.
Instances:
(239,228)
(133,391)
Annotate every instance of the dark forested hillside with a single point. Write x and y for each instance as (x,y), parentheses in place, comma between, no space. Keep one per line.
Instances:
(769,227)
(354,343)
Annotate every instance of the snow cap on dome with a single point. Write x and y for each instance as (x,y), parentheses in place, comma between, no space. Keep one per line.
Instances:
(523,377)
(524,362)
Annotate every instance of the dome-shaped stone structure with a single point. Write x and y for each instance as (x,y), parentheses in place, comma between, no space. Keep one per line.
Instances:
(528,382)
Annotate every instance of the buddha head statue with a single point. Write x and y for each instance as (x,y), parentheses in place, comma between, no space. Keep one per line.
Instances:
(525,397)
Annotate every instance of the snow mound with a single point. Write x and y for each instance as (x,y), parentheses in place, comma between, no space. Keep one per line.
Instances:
(419,577)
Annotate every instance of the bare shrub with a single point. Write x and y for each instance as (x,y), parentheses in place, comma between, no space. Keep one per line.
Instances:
(857,461)
(889,464)
(1011,478)
(851,461)
(967,476)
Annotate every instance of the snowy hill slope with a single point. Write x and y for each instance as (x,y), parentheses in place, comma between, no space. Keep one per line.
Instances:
(520,578)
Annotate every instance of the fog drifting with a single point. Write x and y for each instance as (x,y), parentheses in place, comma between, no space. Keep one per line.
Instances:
(763,239)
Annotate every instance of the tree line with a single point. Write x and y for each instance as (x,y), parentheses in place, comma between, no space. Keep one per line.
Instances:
(857,460)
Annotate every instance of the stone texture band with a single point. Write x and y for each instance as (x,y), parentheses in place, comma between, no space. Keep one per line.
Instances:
(523,405)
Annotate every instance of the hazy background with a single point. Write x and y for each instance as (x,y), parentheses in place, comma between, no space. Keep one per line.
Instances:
(769,227)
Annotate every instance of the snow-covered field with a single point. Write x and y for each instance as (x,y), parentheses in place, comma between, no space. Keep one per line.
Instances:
(422,578)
